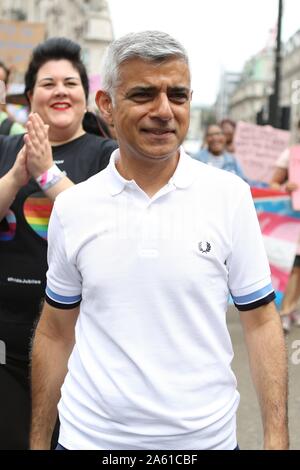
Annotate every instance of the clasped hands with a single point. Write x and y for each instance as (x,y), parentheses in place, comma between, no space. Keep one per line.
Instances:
(35,157)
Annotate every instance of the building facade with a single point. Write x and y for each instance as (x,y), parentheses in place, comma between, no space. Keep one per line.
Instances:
(251,95)
(228,83)
(252,92)
(290,83)
(84,21)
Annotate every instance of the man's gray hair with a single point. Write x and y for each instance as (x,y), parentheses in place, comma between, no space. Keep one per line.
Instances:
(152,46)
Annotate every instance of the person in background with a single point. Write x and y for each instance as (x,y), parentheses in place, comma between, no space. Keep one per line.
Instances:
(93,123)
(7,125)
(282,180)
(214,153)
(228,127)
(144,288)
(56,86)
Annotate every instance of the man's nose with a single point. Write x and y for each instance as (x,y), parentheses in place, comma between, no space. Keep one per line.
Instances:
(162,108)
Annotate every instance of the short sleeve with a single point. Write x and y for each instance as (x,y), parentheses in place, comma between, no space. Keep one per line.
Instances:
(248,267)
(64,282)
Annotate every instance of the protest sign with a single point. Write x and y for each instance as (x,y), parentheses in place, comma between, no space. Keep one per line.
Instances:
(280,227)
(294,175)
(257,149)
(17,39)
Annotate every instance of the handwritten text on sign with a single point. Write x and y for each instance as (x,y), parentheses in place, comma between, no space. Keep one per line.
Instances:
(257,149)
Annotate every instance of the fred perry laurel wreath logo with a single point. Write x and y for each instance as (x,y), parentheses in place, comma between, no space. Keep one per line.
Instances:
(204,247)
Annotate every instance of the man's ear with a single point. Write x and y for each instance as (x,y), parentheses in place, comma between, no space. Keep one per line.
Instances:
(104,103)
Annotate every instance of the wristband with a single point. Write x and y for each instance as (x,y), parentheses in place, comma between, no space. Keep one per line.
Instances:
(49,178)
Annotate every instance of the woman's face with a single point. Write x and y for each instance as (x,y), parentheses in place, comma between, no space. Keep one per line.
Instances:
(58,97)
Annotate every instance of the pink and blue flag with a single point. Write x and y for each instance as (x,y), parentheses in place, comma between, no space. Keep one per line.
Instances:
(280,226)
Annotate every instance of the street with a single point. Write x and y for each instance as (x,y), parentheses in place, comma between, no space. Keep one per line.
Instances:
(249,427)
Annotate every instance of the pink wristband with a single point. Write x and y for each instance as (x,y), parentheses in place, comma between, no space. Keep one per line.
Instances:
(49,178)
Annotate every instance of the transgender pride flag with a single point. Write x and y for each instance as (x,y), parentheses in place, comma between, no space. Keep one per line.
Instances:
(280,226)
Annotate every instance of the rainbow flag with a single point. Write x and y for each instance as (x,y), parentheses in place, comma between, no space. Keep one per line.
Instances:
(280,226)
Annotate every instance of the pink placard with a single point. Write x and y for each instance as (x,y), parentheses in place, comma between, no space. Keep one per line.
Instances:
(294,175)
(257,148)
(94,82)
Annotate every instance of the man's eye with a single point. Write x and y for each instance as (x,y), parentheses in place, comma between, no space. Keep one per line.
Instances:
(141,96)
(178,97)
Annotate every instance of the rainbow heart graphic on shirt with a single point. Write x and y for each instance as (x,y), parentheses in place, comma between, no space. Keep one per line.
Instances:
(8,227)
(37,210)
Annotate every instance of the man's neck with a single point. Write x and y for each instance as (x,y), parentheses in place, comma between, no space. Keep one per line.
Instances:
(149,176)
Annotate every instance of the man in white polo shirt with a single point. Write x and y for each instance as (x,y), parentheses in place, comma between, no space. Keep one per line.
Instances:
(142,258)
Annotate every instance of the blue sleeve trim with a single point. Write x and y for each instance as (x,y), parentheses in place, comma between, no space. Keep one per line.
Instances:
(254,296)
(62,299)
(259,303)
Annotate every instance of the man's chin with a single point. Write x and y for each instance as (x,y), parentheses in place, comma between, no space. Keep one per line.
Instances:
(160,154)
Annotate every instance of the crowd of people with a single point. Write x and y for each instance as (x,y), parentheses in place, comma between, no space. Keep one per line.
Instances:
(218,151)
(114,316)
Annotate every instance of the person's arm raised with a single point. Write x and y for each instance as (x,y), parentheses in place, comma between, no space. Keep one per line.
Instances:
(268,364)
(52,345)
(40,160)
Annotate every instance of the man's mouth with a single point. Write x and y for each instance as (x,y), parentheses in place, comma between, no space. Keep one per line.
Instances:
(159,131)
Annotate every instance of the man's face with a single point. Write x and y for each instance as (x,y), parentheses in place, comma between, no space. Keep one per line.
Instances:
(215,140)
(151,108)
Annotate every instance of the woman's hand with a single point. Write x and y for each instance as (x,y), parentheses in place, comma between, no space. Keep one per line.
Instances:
(38,148)
(18,173)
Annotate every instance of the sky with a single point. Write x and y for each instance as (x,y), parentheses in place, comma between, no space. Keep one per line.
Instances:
(219,35)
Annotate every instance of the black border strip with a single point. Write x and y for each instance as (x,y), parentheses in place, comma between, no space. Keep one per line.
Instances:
(258,303)
(60,305)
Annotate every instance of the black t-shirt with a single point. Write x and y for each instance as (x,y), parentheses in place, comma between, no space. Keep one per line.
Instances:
(23,233)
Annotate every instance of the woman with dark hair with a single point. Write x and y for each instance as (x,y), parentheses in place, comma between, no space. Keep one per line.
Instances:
(95,124)
(56,86)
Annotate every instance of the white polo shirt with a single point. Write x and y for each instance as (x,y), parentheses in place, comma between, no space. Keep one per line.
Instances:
(151,364)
